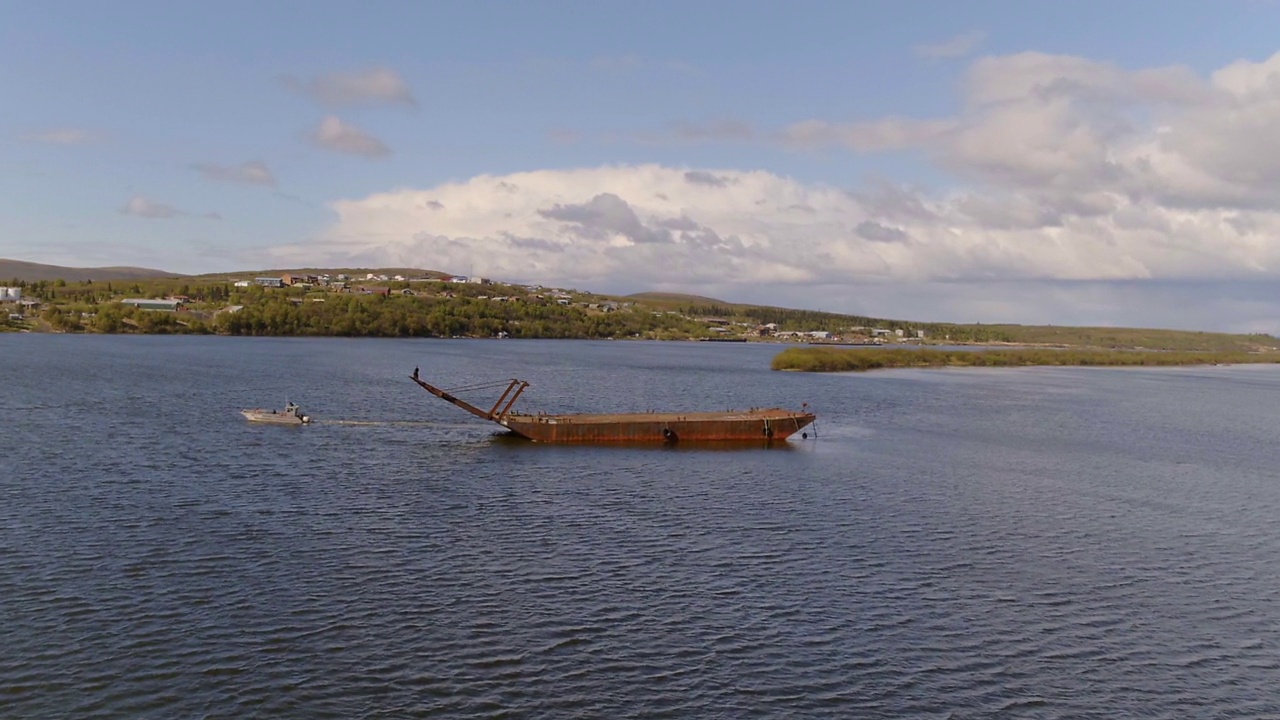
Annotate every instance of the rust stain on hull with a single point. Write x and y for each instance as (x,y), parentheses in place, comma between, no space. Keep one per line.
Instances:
(696,427)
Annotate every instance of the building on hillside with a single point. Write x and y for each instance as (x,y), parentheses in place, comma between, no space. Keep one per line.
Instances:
(290,279)
(169,305)
(10,294)
(271,282)
(242,283)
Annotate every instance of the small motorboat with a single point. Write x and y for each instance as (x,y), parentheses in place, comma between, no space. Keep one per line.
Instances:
(291,415)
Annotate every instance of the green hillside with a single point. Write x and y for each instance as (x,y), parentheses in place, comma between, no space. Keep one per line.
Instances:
(426,306)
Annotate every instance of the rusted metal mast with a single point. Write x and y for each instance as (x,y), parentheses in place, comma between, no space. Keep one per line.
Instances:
(494,415)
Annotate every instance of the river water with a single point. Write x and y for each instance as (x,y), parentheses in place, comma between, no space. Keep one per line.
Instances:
(1045,543)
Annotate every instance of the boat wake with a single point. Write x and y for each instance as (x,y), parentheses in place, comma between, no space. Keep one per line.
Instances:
(402,423)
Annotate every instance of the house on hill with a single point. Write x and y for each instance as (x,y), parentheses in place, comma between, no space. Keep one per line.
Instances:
(290,280)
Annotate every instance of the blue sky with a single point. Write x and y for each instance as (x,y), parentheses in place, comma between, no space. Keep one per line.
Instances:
(213,137)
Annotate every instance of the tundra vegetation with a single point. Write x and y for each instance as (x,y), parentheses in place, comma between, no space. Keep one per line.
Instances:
(821,359)
(214,305)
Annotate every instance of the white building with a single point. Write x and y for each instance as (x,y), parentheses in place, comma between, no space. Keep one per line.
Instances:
(10,294)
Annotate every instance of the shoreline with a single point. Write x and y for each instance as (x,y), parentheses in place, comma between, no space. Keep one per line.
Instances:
(862,360)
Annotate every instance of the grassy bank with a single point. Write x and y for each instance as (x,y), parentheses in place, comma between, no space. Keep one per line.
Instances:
(812,359)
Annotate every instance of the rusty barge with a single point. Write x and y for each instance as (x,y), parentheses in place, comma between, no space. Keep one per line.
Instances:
(756,425)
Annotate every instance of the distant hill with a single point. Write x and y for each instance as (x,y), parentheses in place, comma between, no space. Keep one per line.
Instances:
(678,298)
(353,272)
(33,272)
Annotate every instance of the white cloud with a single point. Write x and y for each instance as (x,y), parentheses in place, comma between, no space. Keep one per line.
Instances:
(958,46)
(1073,175)
(143,207)
(334,134)
(250,173)
(611,226)
(63,136)
(375,86)
(1065,126)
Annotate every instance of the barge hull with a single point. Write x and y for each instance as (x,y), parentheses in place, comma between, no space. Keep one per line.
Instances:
(767,424)
(755,425)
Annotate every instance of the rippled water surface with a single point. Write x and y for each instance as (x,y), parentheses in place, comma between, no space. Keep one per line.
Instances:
(1046,543)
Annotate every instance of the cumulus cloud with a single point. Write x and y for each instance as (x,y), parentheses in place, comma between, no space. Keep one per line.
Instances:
(649,224)
(143,207)
(604,217)
(1066,173)
(1071,127)
(1065,132)
(702,177)
(338,136)
(877,232)
(374,86)
(63,136)
(250,173)
(958,46)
